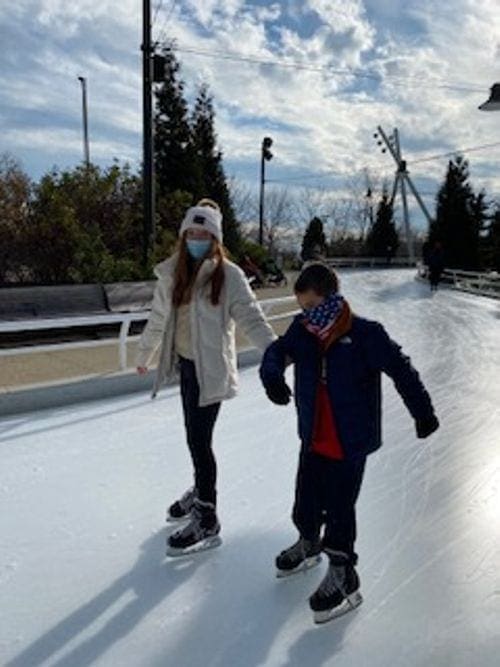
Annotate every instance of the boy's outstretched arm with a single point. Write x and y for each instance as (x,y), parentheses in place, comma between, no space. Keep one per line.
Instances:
(272,372)
(386,355)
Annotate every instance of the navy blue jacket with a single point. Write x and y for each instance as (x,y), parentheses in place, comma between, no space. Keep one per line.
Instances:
(355,363)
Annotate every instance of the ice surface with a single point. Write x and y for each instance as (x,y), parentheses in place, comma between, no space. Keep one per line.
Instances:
(83,490)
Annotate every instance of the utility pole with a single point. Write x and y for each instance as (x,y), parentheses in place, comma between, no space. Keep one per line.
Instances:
(147,104)
(400,176)
(265,156)
(86,149)
(402,180)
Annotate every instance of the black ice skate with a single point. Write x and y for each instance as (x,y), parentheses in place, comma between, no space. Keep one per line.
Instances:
(181,509)
(338,593)
(301,556)
(201,533)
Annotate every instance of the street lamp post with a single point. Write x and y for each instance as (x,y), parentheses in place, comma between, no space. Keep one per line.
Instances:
(265,156)
(86,149)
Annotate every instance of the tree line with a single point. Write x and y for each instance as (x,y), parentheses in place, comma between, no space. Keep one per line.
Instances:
(466,224)
(85,224)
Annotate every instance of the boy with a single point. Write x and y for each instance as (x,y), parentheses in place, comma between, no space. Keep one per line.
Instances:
(338,359)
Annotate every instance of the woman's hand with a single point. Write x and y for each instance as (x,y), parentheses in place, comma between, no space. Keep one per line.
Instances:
(142,370)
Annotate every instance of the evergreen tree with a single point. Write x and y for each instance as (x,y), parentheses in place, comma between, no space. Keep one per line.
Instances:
(460,216)
(382,239)
(175,161)
(209,158)
(314,242)
(492,242)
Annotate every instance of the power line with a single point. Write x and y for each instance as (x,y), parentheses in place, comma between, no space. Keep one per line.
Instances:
(324,174)
(451,153)
(397,80)
(410,162)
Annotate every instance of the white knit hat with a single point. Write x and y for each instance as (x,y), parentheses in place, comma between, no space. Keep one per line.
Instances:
(203,217)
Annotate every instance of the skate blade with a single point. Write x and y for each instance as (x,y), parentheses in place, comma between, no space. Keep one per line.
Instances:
(308,564)
(204,545)
(349,604)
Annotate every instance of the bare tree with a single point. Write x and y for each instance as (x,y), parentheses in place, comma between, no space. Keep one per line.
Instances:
(312,203)
(361,190)
(280,215)
(245,201)
(280,220)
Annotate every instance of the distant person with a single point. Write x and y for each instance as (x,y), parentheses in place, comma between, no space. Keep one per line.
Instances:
(426,249)
(338,359)
(389,254)
(198,297)
(274,275)
(435,262)
(252,272)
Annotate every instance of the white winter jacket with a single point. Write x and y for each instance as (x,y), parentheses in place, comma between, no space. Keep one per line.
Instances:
(212,329)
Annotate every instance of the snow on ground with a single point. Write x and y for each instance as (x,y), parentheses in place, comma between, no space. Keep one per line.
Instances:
(84,580)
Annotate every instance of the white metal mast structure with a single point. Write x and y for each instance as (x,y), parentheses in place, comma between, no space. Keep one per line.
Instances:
(402,179)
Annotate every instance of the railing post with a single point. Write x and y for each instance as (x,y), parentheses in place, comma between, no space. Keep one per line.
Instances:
(124,329)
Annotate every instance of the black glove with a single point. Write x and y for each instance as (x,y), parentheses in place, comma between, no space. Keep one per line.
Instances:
(426,426)
(278,392)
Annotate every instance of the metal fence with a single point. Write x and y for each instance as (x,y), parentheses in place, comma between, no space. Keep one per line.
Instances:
(370,262)
(483,284)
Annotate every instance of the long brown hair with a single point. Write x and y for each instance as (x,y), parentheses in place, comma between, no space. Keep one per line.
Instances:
(187,270)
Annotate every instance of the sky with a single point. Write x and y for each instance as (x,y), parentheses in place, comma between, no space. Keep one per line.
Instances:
(333,70)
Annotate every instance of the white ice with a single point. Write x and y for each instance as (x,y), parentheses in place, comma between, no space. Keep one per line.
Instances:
(84,580)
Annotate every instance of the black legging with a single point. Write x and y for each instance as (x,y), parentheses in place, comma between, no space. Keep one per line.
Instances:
(200,423)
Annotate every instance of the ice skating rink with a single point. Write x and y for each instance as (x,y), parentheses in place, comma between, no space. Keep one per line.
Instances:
(83,490)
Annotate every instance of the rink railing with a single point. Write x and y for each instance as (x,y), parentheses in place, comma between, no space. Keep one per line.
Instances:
(370,262)
(124,319)
(474,282)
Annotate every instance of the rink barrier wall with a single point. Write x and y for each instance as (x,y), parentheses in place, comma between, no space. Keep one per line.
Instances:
(43,301)
(92,388)
(124,319)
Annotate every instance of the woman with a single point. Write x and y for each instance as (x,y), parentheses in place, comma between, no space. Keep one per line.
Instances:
(199,297)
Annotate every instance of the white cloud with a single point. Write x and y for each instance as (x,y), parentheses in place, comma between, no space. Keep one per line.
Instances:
(347,33)
(57,143)
(66,17)
(319,120)
(207,12)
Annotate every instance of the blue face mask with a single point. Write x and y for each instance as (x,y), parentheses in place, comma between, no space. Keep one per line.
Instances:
(198,248)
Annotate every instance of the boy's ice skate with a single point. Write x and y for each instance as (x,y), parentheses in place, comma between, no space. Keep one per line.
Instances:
(301,556)
(181,509)
(338,593)
(201,533)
